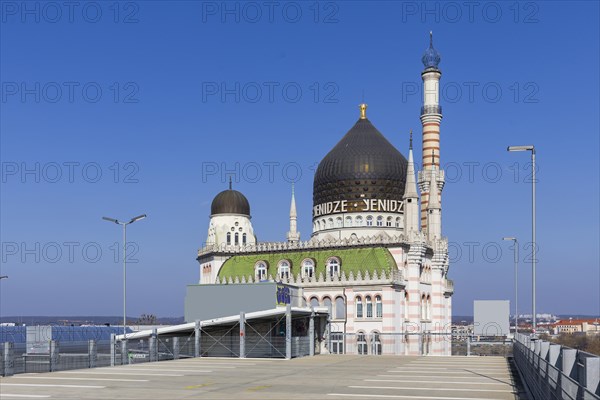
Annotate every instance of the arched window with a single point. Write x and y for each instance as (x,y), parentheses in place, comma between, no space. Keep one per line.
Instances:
(369,307)
(327,303)
(405,305)
(398,222)
(348,221)
(333,266)
(314,302)
(283,269)
(375,343)
(260,271)
(338,222)
(330,223)
(423,307)
(388,222)
(359,307)
(380,221)
(243,238)
(370,220)
(361,342)
(378,307)
(359,221)
(308,268)
(237,238)
(428,308)
(340,308)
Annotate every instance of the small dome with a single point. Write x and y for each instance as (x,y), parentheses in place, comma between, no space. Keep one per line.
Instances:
(431,57)
(230,202)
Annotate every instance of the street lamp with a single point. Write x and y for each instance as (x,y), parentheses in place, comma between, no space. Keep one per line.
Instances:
(124,225)
(515,251)
(531,148)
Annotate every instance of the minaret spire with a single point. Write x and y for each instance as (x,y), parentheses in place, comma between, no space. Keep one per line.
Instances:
(411,197)
(230,183)
(431,117)
(293,235)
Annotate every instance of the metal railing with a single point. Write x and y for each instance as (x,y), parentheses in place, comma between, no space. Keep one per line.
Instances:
(285,337)
(551,371)
(415,343)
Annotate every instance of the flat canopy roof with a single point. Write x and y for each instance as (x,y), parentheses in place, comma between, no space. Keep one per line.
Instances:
(190,326)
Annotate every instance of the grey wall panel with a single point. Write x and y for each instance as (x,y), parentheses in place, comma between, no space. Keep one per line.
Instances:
(204,302)
(491,317)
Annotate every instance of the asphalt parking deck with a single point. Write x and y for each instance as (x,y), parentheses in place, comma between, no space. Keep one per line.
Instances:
(320,377)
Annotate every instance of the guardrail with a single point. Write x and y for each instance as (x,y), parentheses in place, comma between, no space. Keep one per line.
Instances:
(551,371)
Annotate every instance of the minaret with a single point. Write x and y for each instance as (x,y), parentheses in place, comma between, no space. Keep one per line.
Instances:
(431,116)
(411,197)
(434,207)
(293,235)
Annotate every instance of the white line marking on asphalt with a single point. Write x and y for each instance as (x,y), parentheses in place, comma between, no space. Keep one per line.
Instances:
(164,370)
(451,365)
(472,378)
(448,372)
(116,373)
(207,362)
(422,388)
(28,396)
(80,379)
(52,385)
(456,383)
(399,396)
(456,363)
(149,367)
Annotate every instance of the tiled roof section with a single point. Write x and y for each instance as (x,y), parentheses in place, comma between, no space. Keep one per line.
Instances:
(352,260)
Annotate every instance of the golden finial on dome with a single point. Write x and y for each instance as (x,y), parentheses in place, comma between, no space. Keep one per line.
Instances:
(363,110)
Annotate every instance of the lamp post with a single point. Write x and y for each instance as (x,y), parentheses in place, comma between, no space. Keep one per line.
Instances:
(531,148)
(124,225)
(516,257)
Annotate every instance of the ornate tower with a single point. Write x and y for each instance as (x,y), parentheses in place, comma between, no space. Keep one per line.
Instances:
(431,116)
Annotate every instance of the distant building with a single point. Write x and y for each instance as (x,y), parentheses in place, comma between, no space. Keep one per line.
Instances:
(587,326)
(376,257)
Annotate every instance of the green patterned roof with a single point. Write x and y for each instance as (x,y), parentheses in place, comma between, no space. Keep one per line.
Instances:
(352,260)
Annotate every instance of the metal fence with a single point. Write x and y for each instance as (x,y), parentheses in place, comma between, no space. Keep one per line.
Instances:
(437,343)
(257,339)
(551,371)
(283,337)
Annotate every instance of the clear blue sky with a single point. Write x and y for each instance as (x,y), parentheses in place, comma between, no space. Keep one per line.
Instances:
(512,74)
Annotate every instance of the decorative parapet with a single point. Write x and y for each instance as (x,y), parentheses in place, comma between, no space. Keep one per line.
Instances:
(309,244)
(394,277)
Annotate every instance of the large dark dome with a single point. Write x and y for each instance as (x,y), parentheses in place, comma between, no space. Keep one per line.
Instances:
(362,165)
(230,202)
